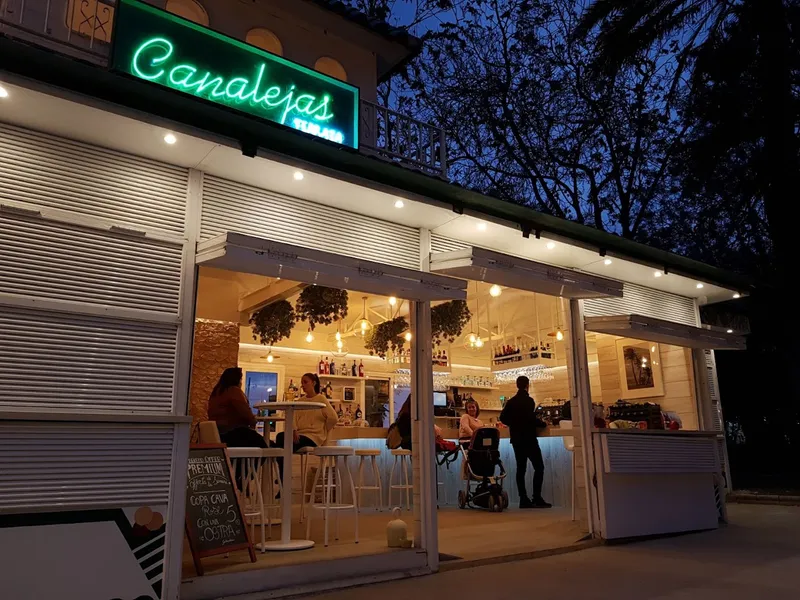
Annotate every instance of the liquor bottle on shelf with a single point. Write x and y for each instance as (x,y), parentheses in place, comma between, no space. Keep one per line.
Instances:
(333,368)
(321,367)
(358,414)
(340,414)
(354,370)
(361,369)
(326,367)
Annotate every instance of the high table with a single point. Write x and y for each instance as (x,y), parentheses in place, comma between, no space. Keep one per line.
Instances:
(286,542)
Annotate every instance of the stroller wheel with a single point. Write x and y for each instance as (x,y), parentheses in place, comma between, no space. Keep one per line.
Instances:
(496,506)
(462,499)
(504,500)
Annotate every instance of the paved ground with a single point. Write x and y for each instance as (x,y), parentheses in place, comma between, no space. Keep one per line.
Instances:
(756,556)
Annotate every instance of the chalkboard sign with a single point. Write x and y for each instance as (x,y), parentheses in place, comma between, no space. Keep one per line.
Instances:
(214,523)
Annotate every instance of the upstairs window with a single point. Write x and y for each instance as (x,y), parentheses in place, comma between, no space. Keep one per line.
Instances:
(265,39)
(331,66)
(189,9)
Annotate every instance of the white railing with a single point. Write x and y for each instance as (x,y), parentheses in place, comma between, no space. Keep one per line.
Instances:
(402,139)
(80,28)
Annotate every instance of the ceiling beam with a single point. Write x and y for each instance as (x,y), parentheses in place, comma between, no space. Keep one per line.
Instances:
(278,290)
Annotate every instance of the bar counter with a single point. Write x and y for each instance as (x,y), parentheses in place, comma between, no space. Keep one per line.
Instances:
(379,433)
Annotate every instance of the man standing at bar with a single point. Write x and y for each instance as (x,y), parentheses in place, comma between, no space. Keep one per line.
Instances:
(519,415)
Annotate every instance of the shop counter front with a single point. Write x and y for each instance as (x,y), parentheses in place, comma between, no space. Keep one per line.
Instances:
(656,482)
(557,461)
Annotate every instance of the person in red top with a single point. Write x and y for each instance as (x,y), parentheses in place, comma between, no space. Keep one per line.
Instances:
(229,407)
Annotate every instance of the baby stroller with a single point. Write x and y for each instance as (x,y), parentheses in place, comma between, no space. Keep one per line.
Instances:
(482,459)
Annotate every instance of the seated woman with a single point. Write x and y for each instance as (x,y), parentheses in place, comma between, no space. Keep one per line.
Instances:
(311,427)
(229,407)
(403,423)
(469,422)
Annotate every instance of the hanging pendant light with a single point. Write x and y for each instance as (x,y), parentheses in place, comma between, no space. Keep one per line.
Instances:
(364,325)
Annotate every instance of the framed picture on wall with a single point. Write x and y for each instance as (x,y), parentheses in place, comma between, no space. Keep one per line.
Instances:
(639,369)
(349,394)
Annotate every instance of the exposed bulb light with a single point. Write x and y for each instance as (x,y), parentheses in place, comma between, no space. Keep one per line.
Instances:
(471,338)
(3,92)
(479,343)
(559,335)
(607,262)
(392,301)
(399,204)
(170,138)
(657,274)
(736,296)
(309,337)
(364,325)
(482,226)
(495,291)
(338,336)
(408,336)
(339,344)
(298,176)
(270,358)
(550,245)
(700,286)
(653,349)
(730,331)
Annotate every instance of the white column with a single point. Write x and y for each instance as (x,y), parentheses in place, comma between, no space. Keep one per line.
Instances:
(424,451)
(180,397)
(581,401)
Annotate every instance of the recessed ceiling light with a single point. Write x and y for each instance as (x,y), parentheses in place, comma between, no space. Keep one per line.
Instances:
(482,226)
(3,92)
(399,204)
(737,295)
(657,274)
(551,245)
(170,138)
(607,262)
(495,291)
(700,286)
(730,330)
(298,176)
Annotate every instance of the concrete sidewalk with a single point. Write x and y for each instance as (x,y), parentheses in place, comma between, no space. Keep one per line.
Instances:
(756,556)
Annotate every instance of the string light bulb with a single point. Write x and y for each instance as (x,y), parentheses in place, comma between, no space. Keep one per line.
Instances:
(408,336)
(270,358)
(495,291)
(392,301)
(559,335)
(309,337)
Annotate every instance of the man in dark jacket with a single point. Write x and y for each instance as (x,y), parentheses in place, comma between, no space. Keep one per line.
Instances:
(519,415)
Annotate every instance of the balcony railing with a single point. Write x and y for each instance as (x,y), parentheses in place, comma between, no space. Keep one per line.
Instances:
(402,139)
(83,29)
(80,28)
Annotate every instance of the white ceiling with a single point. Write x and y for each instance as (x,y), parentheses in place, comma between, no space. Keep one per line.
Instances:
(143,134)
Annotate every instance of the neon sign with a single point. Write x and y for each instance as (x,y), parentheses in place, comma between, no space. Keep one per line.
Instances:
(159,47)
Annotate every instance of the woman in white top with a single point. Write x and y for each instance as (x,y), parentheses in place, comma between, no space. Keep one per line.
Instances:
(469,421)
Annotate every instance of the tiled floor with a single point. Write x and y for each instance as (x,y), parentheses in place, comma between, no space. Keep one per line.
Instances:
(463,535)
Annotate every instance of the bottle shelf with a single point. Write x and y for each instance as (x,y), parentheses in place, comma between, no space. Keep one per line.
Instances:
(525,362)
(340,377)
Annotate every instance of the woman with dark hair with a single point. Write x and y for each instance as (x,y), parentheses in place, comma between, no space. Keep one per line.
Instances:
(229,407)
(403,423)
(311,427)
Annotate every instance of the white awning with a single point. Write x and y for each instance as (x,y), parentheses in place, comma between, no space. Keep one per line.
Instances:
(248,254)
(666,332)
(493,267)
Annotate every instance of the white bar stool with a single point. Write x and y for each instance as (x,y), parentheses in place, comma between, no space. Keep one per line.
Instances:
(305,493)
(270,474)
(404,458)
(363,454)
(331,476)
(569,446)
(246,463)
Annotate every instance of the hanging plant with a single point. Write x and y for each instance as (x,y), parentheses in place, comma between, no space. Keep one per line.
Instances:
(448,320)
(321,305)
(273,323)
(387,335)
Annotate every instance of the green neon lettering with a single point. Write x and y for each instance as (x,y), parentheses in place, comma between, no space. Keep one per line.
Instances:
(155,43)
(184,82)
(149,62)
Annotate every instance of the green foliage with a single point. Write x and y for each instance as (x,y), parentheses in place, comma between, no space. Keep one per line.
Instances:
(448,320)
(319,305)
(386,336)
(273,323)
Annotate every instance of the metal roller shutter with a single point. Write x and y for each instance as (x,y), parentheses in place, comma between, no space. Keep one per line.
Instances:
(48,171)
(238,208)
(60,361)
(54,260)
(57,466)
(639,300)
